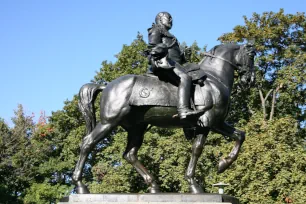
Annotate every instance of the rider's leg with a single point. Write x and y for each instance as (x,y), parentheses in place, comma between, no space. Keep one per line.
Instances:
(184,90)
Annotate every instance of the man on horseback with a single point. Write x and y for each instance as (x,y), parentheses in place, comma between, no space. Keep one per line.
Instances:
(166,55)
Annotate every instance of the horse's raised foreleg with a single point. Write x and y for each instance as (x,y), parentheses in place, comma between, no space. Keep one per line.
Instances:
(197,149)
(238,136)
(135,139)
(88,143)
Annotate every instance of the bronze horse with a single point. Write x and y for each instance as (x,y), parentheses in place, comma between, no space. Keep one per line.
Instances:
(115,109)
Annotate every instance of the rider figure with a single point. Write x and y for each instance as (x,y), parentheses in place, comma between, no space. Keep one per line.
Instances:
(160,38)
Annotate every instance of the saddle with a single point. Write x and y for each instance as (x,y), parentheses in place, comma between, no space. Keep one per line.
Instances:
(194,71)
(149,90)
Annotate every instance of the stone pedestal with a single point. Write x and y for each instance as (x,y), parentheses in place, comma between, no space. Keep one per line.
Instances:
(162,198)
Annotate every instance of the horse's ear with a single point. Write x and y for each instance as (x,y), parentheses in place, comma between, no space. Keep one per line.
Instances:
(251,42)
(250,46)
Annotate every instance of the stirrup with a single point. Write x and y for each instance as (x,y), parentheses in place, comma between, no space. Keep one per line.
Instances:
(186,112)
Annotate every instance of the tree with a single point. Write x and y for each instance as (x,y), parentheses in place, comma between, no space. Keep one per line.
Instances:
(129,61)
(5,171)
(271,166)
(51,181)
(26,152)
(280,43)
(15,165)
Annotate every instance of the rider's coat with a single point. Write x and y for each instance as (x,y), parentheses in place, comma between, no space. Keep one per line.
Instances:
(158,34)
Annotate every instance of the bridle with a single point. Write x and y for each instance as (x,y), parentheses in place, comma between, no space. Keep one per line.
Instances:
(225,60)
(234,66)
(220,58)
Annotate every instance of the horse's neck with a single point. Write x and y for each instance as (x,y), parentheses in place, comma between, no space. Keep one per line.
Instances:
(219,69)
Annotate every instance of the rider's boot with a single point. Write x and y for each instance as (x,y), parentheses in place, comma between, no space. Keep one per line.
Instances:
(184,89)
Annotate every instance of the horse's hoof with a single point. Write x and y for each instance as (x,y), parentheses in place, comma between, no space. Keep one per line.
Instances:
(223,165)
(154,189)
(81,188)
(195,189)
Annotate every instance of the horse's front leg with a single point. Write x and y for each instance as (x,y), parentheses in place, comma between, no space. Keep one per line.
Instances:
(239,137)
(197,149)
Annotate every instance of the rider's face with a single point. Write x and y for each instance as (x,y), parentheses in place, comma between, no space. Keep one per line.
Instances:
(166,21)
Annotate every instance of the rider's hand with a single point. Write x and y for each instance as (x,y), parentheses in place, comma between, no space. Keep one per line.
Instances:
(159,51)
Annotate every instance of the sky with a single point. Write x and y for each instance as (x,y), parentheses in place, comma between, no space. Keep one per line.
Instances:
(49,49)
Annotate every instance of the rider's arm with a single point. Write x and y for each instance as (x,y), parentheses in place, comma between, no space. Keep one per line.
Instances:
(155,37)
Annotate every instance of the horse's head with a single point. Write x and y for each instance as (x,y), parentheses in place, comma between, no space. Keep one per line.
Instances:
(245,63)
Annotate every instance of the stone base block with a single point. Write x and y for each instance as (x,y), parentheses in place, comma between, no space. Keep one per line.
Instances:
(161,198)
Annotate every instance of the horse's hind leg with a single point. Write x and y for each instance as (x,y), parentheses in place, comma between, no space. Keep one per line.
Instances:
(235,134)
(197,148)
(135,139)
(88,143)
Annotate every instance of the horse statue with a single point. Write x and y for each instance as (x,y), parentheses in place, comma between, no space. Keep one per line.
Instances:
(134,102)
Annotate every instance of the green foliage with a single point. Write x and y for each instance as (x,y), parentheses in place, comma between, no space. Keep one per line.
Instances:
(166,162)
(129,61)
(31,159)
(16,165)
(196,51)
(6,187)
(271,166)
(45,193)
(280,42)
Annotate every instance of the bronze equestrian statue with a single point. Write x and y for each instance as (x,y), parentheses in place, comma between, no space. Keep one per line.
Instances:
(134,102)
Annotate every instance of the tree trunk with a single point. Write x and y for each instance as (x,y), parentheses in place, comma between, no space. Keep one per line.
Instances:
(272,105)
(274,101)
(263,102)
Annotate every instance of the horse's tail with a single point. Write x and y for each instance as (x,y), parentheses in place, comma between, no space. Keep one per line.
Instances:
(87,96)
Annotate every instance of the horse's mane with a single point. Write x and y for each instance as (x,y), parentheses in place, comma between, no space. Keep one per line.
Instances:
(220,50)
(224,46)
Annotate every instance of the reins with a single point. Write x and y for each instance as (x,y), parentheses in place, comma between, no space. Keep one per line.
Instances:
(221,58)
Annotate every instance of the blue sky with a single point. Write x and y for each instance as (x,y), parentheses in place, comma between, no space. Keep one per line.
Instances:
(49,49)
